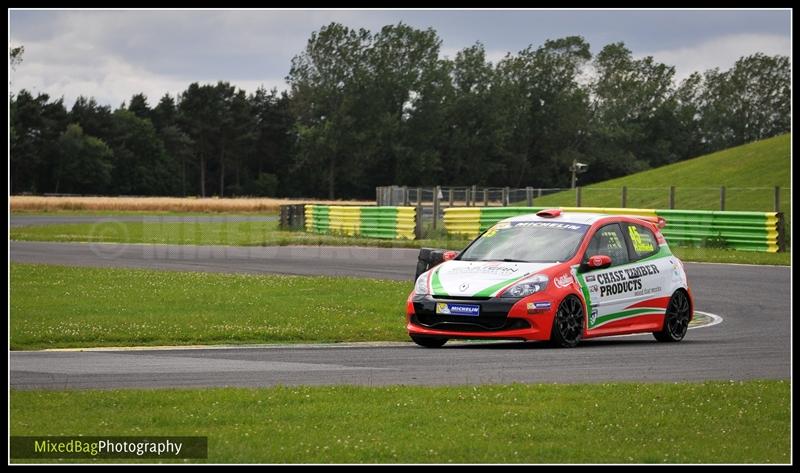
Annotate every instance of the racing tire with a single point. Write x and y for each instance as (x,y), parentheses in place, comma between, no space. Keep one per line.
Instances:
(429,342)
(567,328)
(676,319)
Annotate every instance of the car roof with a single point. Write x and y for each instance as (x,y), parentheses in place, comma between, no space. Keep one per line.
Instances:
(584,218)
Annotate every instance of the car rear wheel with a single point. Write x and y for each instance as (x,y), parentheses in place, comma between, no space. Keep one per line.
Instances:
(568,323)
(676,319)
(429,342)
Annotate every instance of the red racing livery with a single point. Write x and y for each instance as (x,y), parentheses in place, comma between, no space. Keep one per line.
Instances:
(555,276)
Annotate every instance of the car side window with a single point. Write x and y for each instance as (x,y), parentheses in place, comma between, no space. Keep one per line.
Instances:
(609,241)
(643,241)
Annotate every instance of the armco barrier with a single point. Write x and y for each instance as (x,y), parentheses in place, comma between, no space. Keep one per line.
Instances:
(372,222)
(749,231)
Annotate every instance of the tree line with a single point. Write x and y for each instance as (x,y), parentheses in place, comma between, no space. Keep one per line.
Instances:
(367,109)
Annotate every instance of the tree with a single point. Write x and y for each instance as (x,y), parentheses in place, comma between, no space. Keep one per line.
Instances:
(749,102)
(139,106)
(83,164)
(94,119)
(198,117)
(631,99)
(15,56)
(271,151)
(35,126)
(323,81)
(405,87)
(141,166)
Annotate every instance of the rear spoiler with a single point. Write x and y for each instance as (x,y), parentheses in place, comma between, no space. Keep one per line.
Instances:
(657,221)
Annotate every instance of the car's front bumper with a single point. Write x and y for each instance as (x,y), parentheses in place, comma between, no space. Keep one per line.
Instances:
(499,318)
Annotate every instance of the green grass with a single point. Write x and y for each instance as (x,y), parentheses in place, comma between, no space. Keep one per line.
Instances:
(716,255)
(237,233)
(61,306)
(267,234)
(763,164)
(710,422)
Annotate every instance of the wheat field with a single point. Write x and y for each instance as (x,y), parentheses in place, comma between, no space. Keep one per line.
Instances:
(161,204)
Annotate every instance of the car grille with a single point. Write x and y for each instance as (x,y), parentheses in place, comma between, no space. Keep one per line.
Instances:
(487,321)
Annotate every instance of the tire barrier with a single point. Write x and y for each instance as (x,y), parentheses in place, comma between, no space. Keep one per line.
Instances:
(292,217)
(747,231)
(371,222)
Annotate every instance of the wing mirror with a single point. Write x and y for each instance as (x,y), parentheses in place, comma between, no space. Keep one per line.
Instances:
(596,262)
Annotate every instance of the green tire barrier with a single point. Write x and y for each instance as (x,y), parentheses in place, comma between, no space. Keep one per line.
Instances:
(748,231)
(371,222)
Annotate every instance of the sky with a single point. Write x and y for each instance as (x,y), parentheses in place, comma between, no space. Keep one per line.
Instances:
(114,54)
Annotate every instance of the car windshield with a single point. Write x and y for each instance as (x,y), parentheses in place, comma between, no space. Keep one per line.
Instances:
(529,241)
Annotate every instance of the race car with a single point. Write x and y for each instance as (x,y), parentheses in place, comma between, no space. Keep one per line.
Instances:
(553,276)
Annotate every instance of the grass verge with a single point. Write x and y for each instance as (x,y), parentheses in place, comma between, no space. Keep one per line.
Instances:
(61,307)
(710,422)
(175,204)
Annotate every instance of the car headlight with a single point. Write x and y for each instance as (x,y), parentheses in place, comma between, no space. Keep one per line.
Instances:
(527,287)
(421,287)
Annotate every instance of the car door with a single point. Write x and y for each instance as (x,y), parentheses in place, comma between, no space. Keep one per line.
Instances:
(603,286)
(653,270)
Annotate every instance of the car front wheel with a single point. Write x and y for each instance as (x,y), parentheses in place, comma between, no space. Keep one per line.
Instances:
(676,319)
(568,323)
(429,342)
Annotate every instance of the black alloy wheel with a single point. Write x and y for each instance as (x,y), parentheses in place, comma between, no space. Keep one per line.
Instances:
(676,319)
(568,323)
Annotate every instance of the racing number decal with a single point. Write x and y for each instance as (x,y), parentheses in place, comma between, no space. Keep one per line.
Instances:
(640,245)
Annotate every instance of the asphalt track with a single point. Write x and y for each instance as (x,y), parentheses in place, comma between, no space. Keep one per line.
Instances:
(752,342)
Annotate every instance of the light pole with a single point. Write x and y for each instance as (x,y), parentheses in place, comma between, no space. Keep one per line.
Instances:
(577,168)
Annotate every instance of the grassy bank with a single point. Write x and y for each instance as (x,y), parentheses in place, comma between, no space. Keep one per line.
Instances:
(712,422)
(60,306)
(751,172)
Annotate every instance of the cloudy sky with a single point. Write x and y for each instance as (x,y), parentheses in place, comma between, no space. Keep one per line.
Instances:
(113,54)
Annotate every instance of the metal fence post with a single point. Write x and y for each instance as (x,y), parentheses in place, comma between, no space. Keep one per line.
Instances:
(671,197)
(474,194)
(450,200)
(722,198)
(777,205)
(419,195)
(529,196)
(485,196)
(506,196)
(624,196)
(577,197)
(406,200)
(436,190)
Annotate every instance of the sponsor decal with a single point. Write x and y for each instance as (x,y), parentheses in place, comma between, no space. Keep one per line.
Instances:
(457,309)
(591,278)
(594,288)
(503,269)
(561,226)
(626,280)
(593,317)
(463,286)
(564,280)
(540,306)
